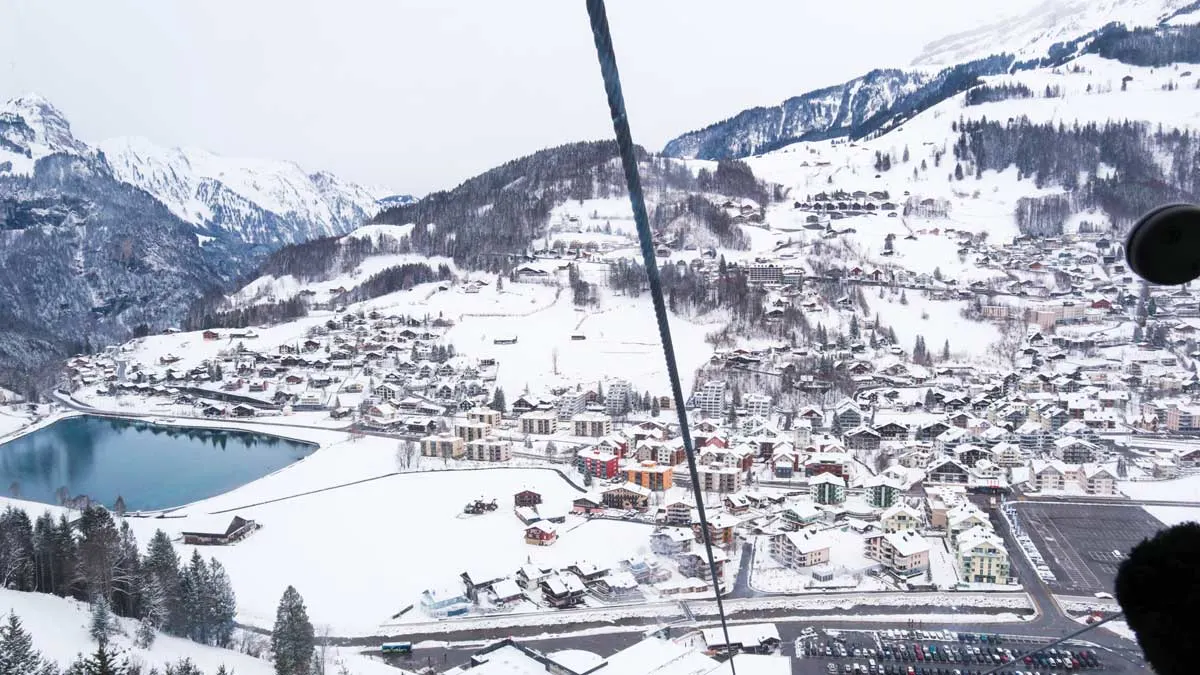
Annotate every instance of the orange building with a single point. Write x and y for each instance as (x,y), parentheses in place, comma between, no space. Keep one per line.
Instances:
(649,474)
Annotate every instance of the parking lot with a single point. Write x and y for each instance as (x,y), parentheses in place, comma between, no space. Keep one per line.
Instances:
(899,652)
(1082,544)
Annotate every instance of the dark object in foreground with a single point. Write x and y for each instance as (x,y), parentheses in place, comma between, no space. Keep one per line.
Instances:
(1158,587)
(1164,246)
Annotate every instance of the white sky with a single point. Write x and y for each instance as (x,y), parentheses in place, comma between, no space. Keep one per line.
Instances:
(417,95)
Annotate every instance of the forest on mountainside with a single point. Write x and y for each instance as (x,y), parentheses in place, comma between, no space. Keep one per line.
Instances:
(1071,157)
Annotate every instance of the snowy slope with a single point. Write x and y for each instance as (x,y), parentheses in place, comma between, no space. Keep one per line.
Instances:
(59,628)
(251,198)
(1032,34)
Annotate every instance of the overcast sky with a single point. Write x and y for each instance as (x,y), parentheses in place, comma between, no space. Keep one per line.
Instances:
(417,95)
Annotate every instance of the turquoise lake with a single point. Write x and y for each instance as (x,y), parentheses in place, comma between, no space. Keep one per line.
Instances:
(150,466)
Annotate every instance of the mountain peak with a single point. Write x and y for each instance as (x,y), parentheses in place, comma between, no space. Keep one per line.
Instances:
(51,132)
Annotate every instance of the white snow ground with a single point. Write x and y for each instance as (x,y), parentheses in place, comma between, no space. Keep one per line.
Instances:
(59,628)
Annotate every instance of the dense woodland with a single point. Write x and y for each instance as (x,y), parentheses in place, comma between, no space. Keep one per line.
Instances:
(1052,154)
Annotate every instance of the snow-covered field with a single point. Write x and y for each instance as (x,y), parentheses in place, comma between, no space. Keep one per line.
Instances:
(1174,515)
(1185,489)
(60,632)
(362,553)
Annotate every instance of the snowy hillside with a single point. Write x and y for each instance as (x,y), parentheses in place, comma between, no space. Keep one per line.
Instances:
(1031,35)
(260,201)
(60,632)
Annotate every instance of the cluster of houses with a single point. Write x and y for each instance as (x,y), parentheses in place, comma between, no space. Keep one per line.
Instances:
(395,373)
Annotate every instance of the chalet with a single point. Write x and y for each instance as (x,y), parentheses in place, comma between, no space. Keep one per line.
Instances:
(627,496)
(587,505)
(541,533)
(530,576)
(209,532)
(211,335)
(801,515)
(527,498)
(947,470)
(563,590)
(677,513)
(892,431)
(931,431)
(862,438)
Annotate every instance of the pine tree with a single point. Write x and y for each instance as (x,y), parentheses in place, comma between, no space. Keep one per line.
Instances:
(17,568)
(183,666)
(197,604)
(946,351)
(223,604)
(146,633)
(161,569)
(855,331)
(102,625)
(655,409)
(292,639)
(102,662)
(17,655)
(498,402)
(99,552)
(958,172)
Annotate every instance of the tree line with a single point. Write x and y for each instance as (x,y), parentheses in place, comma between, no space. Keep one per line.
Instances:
(95,560)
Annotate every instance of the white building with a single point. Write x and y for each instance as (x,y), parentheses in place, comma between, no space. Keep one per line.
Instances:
(757,405)
(616,397)
(711,398)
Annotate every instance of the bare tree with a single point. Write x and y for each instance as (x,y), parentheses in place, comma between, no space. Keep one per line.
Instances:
(321,654)
(1007,347)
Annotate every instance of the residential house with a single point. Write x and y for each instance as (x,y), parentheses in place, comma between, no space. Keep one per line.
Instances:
(490,449)
(1097,479)
(805,548)
(720,528)
(678,512)
(900,518)
(905,554)
(627,496)
(562,590)
(652,475)
(443,445)
(801,514)
(980,556)
(591,424)
(541,533)
(671,540)
(862,438)
(527,498)
(597,463)
(471,431)
(717,478)
(947,470)
(1047,475)
(539,422)
(1074,451)
(826,488)
(881,491)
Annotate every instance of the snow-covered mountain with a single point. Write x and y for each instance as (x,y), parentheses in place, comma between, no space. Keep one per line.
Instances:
(31,128)
(882,99)
(1033,34)
(98,242)
(876,101)
(260,201)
